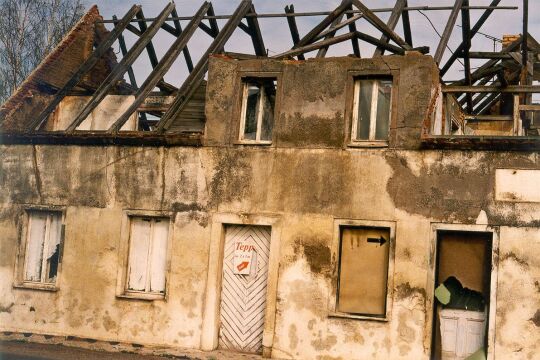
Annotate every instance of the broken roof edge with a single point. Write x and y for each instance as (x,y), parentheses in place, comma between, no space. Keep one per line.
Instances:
(31,84)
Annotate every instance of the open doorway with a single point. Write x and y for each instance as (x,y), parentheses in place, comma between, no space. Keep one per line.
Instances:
(462,296)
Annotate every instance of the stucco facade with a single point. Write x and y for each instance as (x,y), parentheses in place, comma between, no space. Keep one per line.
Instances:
(305,184)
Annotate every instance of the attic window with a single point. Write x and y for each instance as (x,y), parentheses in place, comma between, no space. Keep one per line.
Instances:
(371,109)
(258,102)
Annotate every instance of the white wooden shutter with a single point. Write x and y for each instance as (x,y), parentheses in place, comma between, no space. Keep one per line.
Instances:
(138,253)
(159,255)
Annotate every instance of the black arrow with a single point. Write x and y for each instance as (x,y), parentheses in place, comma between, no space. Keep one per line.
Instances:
(379,241)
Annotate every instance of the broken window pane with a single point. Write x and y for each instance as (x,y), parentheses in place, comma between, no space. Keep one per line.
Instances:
(53,248)
(373,99)
(258,109)
(364,109)
(43,246)
(383,109)
(250,129)
(147,255)
(363,271)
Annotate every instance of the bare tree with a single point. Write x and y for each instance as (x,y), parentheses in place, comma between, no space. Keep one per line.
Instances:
(29,30)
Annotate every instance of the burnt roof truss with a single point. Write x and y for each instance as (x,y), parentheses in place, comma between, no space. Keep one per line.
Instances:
(158,111)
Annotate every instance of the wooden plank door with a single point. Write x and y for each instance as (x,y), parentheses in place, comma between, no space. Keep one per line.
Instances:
(243,290)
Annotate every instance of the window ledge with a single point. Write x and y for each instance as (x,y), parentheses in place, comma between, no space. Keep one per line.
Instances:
(334,314)
(253,142)
(141,296)
(368,144)
(36,286)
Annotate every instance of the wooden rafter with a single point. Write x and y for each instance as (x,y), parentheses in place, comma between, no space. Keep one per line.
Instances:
(162,67)
(293,28)
(85,67)
(447,31)
(120,68)
(473,32)
(466,31)
(392,22)
(379,24)
(195,78)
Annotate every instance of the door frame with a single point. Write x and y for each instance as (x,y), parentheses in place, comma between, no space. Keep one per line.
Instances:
(211,310)
(430,288)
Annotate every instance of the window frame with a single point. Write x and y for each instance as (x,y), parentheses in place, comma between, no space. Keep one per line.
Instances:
(243,84)
(122,282)
(373,110)
(351,108)
(339,224)
(21,258)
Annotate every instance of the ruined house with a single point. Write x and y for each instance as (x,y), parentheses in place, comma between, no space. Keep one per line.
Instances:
(291,206)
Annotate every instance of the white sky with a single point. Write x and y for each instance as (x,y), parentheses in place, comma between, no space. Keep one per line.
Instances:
(278,39)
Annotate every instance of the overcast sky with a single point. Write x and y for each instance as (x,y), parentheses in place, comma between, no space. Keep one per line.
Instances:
(278,39)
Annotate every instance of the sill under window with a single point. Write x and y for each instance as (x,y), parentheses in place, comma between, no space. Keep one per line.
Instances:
(141,296)
(253,142)
(335,314)
(368,144)
(36,286)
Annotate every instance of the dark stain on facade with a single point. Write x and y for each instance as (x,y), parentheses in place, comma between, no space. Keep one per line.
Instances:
(316,253)
(513,257)
(232,177)
(405,290)
(6,309)
(536,318)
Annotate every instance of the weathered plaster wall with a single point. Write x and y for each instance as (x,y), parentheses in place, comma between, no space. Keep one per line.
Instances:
(307,184)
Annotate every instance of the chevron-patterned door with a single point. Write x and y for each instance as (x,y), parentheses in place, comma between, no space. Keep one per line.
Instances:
(243,290)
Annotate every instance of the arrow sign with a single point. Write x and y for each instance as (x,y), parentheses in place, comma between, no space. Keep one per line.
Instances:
(242,265)
(379,241)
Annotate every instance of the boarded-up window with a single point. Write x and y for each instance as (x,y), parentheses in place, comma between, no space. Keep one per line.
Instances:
(44,235)
(372,105)
(363,270)
(258,101)
(148,254)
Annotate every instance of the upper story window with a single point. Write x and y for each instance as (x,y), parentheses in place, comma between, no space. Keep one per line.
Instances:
(372,109)
(258,101)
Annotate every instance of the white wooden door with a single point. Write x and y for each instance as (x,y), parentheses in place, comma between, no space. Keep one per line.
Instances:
(243,290)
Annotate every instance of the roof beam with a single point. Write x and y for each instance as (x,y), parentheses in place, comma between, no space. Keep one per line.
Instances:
(510,89)
(119,70)
(195,78)
(466,27)
(350,21)
(327,21)
(85,67)
(379,24)
(256,36)
(447,31)
(524,46)
(352,28)
(473,32)
(291,21)
(187,55)
(322,50)
(315,46)
(407,25)
(162,67)
(392,22)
